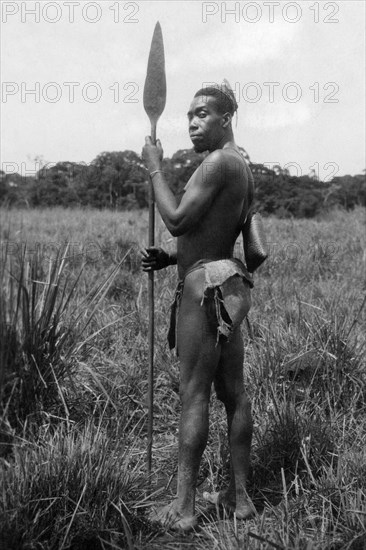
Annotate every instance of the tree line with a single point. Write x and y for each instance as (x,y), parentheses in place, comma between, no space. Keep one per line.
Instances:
(118,180)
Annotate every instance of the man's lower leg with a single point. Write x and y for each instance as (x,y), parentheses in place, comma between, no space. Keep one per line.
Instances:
(240,438)
(193,433)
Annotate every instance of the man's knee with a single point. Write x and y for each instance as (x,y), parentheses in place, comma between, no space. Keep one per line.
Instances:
(235,400)
(228,391)
(193,396)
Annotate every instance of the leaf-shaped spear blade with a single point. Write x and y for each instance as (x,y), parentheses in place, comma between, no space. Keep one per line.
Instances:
(155,83)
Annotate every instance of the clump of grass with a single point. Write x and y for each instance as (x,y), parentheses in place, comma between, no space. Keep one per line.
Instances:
(77,488)
(292,441)
(41,333)
(34,335)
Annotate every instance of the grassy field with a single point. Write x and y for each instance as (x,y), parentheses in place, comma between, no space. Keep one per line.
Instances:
(74,321)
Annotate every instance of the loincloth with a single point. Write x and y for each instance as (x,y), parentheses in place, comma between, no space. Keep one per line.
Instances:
(225,289)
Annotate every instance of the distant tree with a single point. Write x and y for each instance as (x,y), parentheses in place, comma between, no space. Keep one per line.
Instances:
(347,191)
(114,177)
(279,193)
(56,185)
(14,189)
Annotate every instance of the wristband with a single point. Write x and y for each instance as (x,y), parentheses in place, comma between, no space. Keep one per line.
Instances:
(155,172)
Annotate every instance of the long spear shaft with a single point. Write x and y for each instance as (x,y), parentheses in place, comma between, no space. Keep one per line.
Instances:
(150,390)
(154,103)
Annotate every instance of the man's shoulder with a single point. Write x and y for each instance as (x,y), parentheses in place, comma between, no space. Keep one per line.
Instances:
(227,156)
(215,155)
(229,163)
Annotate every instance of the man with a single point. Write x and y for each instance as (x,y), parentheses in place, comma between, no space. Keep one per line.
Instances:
(212,298)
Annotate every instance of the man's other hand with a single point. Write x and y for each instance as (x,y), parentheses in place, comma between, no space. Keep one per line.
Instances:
(154,259)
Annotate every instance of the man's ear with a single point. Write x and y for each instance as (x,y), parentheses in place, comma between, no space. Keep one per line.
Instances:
(227,117)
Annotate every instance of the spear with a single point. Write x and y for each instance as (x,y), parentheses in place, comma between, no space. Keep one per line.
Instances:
(154,103)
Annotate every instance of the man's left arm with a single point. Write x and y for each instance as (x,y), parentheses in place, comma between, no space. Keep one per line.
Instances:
(198,197)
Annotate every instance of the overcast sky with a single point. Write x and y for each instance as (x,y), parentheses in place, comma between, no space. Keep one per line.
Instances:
(73,76)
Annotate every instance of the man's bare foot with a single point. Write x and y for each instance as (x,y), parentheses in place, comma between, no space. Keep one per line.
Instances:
(170,517)
(244,510)
(221,498)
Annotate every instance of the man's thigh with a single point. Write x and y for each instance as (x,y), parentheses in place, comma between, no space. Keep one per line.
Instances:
(229,376)
(199,351)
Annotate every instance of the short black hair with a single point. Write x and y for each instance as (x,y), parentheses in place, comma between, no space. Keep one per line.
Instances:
(226,103)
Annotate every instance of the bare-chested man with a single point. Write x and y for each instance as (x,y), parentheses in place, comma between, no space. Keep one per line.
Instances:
(213,297)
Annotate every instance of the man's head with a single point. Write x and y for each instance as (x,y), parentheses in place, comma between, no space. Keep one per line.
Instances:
(224,95)
(210,117)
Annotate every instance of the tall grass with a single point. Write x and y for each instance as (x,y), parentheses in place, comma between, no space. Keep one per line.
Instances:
(39,334)
(79,481)
(78,486)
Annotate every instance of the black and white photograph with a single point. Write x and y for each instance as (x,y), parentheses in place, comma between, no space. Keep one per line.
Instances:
(183,275)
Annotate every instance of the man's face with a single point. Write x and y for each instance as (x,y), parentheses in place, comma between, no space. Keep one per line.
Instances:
(205,124)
